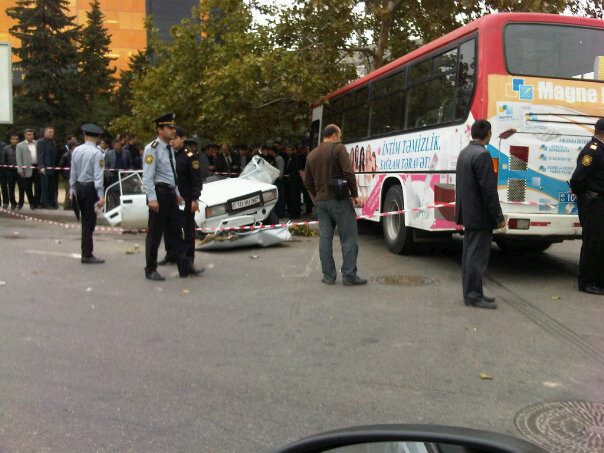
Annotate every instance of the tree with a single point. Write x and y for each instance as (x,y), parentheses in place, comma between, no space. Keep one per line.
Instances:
(96,79)
(48,59)
(587,8)
(137,67)
(226,78)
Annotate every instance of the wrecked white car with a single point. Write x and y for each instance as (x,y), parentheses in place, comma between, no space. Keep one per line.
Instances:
(247,200)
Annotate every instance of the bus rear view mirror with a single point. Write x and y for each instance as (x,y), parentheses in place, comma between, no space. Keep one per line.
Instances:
(507,134)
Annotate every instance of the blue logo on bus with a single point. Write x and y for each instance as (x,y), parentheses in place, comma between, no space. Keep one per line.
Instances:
(525,92)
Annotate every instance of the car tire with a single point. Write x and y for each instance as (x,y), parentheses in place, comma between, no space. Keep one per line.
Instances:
(398,237)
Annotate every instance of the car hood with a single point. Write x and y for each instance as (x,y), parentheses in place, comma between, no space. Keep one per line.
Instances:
(218,192)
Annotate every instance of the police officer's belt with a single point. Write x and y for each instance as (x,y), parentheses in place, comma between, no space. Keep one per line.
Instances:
(591,195)
(84,184)
(164,186)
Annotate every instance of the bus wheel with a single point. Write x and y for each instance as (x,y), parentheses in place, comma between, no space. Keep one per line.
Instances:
(398,237)
(522,246)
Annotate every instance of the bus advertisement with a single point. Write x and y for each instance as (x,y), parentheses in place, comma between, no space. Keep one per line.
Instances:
(538,79)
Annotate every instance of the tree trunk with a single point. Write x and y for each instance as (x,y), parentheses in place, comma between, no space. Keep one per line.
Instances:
(385,13)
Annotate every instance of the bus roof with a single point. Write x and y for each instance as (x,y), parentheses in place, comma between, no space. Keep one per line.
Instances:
(491,21)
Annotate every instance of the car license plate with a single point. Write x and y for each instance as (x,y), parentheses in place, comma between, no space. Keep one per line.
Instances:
(245,203)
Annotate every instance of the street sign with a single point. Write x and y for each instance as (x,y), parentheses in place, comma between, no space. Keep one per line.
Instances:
(6,84)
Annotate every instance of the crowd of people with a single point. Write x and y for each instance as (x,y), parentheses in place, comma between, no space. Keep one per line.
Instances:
(35,167)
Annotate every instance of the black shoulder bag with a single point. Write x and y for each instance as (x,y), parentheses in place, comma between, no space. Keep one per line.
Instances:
(337,184)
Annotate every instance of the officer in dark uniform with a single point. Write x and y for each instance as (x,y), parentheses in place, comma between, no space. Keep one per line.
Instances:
(163,199)
(86,185)
(189,181)
(587,184)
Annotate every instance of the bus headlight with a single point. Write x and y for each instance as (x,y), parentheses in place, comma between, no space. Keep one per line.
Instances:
(269,195)
(214,211)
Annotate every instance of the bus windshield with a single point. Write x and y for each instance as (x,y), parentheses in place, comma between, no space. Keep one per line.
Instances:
(553,50)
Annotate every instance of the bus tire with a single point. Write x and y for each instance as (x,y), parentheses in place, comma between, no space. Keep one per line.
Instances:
(398,237)
(523,246)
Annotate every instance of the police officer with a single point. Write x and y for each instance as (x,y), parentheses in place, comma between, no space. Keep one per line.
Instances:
(163,199)
(189,182)
(587,184)
(86,185)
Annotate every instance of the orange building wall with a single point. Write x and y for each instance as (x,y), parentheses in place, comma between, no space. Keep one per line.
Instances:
(124,20)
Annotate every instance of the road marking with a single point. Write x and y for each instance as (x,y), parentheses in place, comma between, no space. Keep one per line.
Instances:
(310,267)
(42,252)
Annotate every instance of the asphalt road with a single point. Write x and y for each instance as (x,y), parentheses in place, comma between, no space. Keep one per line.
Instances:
(257,352)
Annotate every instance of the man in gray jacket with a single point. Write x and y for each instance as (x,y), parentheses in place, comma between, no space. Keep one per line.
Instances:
(477,208)
(27,157)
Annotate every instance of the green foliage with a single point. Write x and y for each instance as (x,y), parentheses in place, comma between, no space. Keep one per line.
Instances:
(48,59)
(95,77)
(587,8)
(234,84)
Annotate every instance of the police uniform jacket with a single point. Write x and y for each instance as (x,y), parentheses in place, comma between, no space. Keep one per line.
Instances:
(588,177)
(87,165)
(157,168)
(188,174)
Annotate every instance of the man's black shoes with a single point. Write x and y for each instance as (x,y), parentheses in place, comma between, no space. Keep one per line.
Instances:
(489,299)
(356,282)
(92,260)
(154,276)
(327,281)
(192,272)
(593,289)
(166,262)
(482,303)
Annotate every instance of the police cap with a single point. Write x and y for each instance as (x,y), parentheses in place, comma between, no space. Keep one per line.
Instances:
(600,125)
(190,141)
(92,130)
(165,120)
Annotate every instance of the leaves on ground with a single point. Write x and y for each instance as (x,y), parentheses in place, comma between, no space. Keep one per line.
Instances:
(303,230)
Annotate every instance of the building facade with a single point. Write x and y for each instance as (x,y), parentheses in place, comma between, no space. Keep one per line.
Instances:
(124,20)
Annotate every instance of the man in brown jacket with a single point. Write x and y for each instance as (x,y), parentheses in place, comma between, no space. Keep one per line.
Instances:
(332,211)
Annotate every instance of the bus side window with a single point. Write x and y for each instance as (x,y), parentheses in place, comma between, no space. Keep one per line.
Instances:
(465,78)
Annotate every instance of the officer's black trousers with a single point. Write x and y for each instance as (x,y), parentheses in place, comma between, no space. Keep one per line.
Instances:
(188,221)
(87,198)
(591,263)
(168,222)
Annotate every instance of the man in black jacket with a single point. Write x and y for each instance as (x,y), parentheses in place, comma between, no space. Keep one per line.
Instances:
(477,208)
(47,157)
(189,182)
(587,184)
(8,158)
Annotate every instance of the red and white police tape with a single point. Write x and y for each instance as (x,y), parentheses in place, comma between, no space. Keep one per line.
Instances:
(106,169)
(257,227)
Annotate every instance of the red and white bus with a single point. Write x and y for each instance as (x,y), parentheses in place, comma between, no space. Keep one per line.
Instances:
(538,78)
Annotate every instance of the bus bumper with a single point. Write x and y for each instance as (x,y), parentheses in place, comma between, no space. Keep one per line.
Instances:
(543,226)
